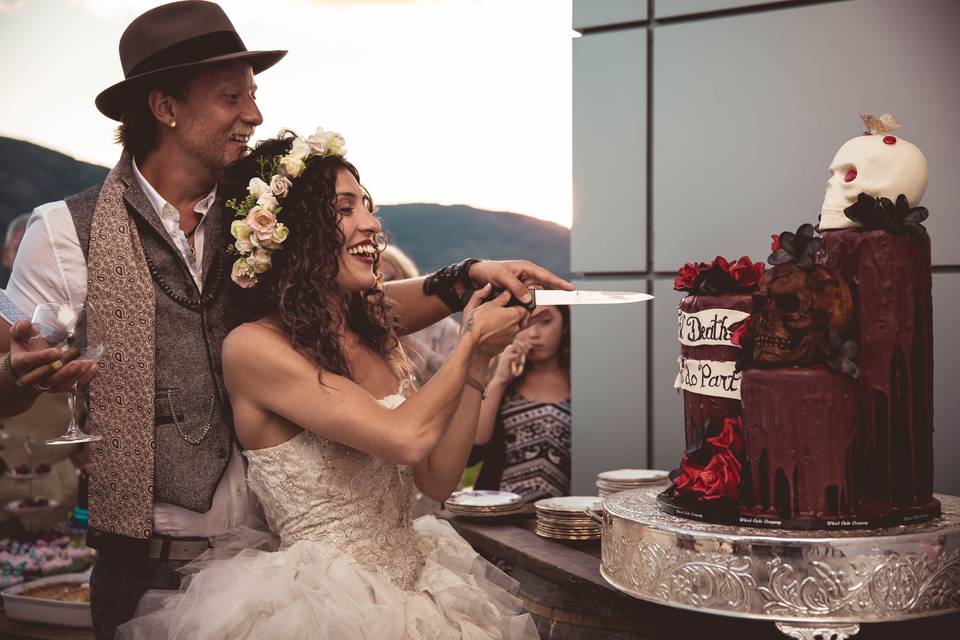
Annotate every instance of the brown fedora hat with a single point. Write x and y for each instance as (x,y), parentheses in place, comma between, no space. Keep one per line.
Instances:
(175,36)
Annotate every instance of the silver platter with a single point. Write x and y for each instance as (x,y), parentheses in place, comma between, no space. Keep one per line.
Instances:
(799,578)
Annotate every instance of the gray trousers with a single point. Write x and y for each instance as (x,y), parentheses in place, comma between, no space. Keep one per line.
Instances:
(116,589)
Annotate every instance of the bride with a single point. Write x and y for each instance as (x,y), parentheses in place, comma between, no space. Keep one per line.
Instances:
(335,439)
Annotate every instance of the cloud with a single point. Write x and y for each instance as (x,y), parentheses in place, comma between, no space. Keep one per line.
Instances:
(347,2)
(114,11)
(12,6)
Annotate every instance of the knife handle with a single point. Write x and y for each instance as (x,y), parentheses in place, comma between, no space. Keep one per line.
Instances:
(513,302)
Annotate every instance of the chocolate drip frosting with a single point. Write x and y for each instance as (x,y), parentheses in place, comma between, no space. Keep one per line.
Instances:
(889,275)
(800,425)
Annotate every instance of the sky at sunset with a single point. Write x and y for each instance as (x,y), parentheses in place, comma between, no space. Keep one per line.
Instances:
(447,101)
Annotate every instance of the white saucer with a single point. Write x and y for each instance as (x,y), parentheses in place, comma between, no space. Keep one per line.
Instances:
(633,475)
(483,498)
(570,504)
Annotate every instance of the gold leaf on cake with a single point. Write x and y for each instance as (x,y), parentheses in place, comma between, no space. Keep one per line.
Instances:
(876,125)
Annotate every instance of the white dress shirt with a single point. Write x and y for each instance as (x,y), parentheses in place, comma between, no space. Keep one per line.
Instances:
(50,267)
(170,217)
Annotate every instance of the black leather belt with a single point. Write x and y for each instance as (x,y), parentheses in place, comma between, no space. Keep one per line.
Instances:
(164,548)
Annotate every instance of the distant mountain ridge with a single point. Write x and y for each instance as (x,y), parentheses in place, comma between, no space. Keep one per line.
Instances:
(31,175)
(436,235)
(433,235)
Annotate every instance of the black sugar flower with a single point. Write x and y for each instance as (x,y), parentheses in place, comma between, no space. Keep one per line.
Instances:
(841,354)
(882,213)
(799,247)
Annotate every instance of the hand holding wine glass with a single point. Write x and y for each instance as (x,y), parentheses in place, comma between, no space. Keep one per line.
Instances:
(56,324)
(42,365)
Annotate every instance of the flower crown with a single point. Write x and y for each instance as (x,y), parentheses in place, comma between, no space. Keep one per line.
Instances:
(257,232)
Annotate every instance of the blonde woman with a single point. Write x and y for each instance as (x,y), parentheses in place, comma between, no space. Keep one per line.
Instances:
(427,348)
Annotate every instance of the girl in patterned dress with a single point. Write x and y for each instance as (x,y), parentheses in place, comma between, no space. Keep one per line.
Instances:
(524,434)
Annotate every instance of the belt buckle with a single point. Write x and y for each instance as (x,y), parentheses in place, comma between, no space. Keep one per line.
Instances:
(165,549)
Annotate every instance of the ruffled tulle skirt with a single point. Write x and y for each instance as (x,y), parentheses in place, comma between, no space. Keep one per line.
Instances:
(310,590)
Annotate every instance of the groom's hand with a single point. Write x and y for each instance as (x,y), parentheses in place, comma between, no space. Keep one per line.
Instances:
(517,276)
(28,351)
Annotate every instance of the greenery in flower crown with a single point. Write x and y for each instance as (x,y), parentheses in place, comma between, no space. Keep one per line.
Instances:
(256,230)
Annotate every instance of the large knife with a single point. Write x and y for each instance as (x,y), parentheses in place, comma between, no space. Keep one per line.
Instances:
(578,296)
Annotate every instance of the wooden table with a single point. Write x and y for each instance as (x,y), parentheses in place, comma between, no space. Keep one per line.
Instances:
(561,585)
(17,630)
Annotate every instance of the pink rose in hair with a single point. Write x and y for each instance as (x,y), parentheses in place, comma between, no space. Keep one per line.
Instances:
(262,222)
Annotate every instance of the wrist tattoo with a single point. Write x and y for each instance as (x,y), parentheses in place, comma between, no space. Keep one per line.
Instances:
(470,321)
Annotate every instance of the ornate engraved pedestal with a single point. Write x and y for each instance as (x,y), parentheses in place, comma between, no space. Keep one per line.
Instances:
(810,583)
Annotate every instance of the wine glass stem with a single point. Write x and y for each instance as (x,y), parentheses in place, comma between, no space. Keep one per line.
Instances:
(73,428)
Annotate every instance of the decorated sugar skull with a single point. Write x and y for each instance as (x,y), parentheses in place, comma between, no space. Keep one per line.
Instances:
(794,308)
(876,163)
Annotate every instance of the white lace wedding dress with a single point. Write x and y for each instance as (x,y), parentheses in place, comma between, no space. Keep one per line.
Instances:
(351,563)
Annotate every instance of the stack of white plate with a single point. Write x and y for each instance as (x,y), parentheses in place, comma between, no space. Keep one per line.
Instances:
(568,518)
(483,503)
(618,480)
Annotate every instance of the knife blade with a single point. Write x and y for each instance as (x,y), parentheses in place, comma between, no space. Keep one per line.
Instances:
(584,296)
(561,297)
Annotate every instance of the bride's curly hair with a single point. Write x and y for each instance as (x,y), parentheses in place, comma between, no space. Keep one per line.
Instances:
(300,287)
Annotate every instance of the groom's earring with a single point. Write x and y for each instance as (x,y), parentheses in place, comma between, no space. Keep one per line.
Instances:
(173,124)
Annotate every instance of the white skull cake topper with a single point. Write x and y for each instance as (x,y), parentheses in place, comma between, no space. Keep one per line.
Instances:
(875,163)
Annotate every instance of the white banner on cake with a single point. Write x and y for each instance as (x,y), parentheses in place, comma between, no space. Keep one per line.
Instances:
(710,326)
(709,378)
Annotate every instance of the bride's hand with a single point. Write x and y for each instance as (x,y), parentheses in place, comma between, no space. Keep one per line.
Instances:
(493,324)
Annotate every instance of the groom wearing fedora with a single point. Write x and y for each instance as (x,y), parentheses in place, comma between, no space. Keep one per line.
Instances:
(142,252)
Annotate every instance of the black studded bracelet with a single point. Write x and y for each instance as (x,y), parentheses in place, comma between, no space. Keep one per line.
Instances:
(442,283)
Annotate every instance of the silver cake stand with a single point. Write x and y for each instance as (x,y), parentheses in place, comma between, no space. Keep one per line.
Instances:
(810,583)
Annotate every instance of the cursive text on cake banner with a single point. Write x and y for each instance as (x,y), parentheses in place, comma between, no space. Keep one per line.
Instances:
(709,378)
(710,326)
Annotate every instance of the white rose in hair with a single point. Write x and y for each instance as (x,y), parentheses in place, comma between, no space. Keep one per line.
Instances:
(268,200)
(335,143)
(239,229)
(257,187)
(280,185)
(280,233)
(318,142)
(243,274)
(291,166)
(261,221)
(259,260)
(299,150)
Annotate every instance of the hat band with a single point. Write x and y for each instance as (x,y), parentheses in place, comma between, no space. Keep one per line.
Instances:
(198,49)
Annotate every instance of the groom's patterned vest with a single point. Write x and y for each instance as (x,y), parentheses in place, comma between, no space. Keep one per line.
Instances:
(192,413)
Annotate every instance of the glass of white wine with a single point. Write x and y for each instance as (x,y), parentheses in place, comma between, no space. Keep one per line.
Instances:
(56,322)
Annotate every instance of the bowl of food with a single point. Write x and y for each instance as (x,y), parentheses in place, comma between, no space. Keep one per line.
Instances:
(62,600)
(30,505)
(23,471)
